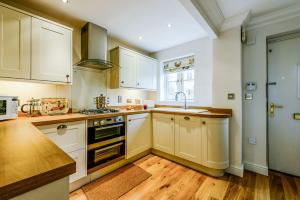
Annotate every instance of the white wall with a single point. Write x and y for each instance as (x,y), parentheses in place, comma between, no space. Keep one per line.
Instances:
(227,78)
(202,49)
(89,83)
(28,90)
(255,69)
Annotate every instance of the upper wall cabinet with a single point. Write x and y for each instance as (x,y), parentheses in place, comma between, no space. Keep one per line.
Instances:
(51,52)
(135,70)
(34,48)
(15,29)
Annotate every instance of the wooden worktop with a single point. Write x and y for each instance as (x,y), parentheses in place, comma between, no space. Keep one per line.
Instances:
(28,159)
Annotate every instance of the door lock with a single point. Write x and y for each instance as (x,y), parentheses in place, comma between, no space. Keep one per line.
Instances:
(272,109)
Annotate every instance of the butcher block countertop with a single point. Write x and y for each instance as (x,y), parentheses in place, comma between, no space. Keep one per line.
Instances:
(28,159)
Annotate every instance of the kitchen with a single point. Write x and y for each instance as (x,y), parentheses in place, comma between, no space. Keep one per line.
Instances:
(94,99)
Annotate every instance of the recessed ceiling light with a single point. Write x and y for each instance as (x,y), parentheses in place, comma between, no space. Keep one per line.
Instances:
(140,37)
(169,25)
(65,1)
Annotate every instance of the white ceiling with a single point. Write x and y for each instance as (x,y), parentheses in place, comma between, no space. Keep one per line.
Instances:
(258,7)
(127,20)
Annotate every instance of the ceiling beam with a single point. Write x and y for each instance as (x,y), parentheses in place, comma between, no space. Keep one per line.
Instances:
(200,15)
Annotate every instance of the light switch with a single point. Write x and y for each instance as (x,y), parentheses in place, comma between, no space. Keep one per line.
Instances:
(248,96)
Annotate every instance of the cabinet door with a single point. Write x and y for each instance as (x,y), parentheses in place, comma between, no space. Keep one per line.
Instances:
(188,138)
(51,52)
(127,68)
(80,159)
(215,138)
(68,136)
(15,29)
(139,134)
(146,72)
(163,133)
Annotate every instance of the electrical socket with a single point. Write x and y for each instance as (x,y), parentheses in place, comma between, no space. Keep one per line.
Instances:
(252,140)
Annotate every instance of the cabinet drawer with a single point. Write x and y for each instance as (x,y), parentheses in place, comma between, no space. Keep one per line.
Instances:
(138,116)
(68,136)
(80,158)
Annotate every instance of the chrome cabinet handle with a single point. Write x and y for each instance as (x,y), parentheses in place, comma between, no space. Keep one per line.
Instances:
(187,118)
(63,126)
(107,127)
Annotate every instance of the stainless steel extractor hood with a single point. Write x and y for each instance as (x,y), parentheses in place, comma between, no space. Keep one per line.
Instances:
(94,47)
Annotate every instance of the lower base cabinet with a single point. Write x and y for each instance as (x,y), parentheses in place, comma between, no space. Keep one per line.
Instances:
(139,134)
(215,143)
(188,138)
(70,137)
(163,132)
(79,157)
(200,140)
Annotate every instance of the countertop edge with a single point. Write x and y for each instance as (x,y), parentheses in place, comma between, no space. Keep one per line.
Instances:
(29,184)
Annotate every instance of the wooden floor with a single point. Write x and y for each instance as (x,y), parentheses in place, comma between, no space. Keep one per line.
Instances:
(172,181)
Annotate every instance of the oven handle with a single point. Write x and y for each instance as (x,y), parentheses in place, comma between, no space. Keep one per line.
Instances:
(109,147)
(106,127)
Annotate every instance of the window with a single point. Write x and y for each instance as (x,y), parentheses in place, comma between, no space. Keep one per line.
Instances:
(178,76)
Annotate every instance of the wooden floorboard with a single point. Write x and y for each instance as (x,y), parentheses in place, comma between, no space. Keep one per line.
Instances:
(171,181)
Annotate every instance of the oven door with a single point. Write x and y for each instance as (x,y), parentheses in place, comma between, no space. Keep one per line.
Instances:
(103,155)
(101,133)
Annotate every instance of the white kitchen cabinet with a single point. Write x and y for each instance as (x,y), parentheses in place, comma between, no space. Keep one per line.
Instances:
(139,134)
(215,140)
(71,138)
(127,68)
(15,30)
(80,157)
(188,141)
(51,52)
(200,140)
(146,72)
(134,70)
(163,132)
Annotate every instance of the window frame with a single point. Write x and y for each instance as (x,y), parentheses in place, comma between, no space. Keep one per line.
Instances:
(180,85)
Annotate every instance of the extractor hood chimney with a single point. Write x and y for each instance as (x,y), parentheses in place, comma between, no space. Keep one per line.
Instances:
(94,47)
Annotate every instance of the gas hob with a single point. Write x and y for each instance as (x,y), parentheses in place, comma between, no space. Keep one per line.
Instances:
(98,111)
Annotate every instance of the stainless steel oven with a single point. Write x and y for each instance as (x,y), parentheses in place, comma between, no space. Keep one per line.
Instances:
(106,141)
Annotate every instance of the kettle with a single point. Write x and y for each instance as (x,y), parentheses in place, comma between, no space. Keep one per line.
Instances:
(33,107)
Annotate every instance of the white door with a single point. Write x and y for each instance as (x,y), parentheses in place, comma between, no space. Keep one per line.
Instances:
(51,52)
(188,138)
(127,68)
(15,29)
(283,103)
(163,133)
(139,134)
(146,72)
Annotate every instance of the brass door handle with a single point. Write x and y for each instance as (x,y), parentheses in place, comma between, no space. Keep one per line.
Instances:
(273,107)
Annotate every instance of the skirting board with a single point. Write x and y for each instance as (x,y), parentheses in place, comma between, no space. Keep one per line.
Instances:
(263,170)
(238,171)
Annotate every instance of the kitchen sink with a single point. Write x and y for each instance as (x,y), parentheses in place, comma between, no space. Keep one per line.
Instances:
(181,110)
